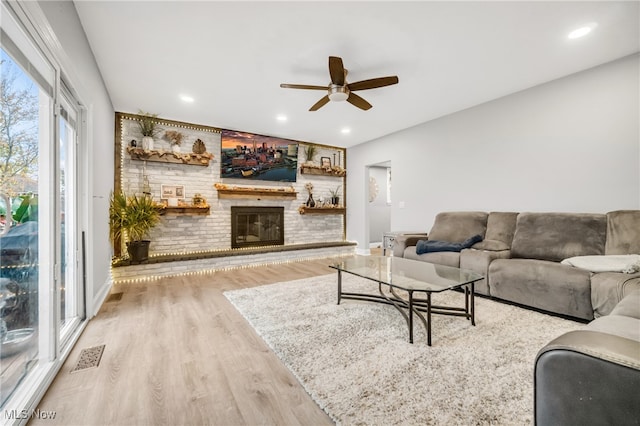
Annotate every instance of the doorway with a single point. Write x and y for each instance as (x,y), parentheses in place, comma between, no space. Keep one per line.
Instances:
(379,206)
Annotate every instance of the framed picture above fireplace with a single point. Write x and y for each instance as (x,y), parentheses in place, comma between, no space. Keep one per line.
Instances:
(258,157)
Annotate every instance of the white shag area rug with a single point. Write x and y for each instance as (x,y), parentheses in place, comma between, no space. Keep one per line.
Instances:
(355,361)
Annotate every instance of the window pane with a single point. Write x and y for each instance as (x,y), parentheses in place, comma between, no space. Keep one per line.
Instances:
(21,101)
(68,275)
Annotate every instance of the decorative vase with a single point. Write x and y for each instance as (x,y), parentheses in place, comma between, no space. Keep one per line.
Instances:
(335,200)
(147,143)
(175,148)
(310,202)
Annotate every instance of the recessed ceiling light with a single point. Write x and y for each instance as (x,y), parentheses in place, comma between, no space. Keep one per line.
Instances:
(281,117)
(345,131)
(185,98)
(582,31)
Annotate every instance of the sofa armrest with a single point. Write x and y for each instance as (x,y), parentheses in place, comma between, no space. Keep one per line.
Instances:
(587,377)
(403,241)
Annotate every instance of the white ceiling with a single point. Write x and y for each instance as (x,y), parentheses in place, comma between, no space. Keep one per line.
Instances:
(232,56)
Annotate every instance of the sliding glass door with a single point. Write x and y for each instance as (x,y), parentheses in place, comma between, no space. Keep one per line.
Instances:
(26,108)
(70,280)
(41,291)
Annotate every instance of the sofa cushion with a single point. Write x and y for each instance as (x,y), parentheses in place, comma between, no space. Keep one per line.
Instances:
(629,306)
(542,284)
(491,245)
(623,232)
(478,261)
(557,236)
(609,288)
(500,227)
(456,227)
(618,325)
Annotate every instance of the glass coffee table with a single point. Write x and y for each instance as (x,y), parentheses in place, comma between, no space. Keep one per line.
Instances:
(410,276)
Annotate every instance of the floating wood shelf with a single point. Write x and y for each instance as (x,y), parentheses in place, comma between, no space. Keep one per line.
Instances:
(186,210)
(314,170)
(256,193)
(162,156)
(321,210)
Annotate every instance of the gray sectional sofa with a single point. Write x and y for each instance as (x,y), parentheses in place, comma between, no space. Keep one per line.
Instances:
(590,376)
(521,256)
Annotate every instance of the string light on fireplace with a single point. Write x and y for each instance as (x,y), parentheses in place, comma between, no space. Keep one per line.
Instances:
(210,251)
(222,269)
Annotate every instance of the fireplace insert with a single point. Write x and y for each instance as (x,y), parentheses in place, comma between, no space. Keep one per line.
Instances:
(257,226)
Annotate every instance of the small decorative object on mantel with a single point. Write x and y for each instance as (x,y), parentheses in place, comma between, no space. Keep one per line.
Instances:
(335,195)
(175,138)
(199,147)
(198,199)
(149,129)
(310,202)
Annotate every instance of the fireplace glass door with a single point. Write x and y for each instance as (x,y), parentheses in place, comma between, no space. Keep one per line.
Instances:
(257,226)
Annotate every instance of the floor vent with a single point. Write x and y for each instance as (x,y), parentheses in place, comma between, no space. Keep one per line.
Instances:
(89,358)
(114,297)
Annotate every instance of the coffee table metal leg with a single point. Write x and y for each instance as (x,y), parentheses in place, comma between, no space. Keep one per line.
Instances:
(466,301)
(473,304)
(339,285)
(428,318)
(410,317)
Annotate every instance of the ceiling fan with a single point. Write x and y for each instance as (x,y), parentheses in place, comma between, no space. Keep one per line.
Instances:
(340,90)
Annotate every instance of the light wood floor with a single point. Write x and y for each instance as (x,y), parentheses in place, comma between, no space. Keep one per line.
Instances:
(178,353)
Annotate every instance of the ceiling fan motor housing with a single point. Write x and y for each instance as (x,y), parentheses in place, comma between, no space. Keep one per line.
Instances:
(338,93)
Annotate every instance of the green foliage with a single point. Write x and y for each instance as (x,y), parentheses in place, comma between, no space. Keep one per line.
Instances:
(335,192)
(131,216)
(27,210)
(148,125)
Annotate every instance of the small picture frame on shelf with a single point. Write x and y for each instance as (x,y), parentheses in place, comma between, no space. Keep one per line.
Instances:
(325,162)
(171,191)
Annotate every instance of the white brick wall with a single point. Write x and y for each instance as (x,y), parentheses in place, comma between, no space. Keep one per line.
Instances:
(182,234)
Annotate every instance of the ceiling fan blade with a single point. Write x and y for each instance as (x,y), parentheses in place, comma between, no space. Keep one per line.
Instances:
(373,83)
(302,86)
(356,100)
(336,70)
(322,102)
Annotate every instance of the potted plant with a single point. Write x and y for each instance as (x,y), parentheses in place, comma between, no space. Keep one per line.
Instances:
(149,129)
(335,195)
(132,217)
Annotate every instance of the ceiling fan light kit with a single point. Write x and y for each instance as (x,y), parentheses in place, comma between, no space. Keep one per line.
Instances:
(338,93)
(339,90)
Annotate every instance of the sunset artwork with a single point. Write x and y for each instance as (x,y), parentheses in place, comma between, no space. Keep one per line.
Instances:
(250,156)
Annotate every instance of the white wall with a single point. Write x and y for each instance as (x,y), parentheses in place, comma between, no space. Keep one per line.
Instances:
(81,70)
(571,145)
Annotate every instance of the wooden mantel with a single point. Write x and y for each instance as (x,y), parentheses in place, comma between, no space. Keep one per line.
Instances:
(321,210)
(225,191)
(162,156)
